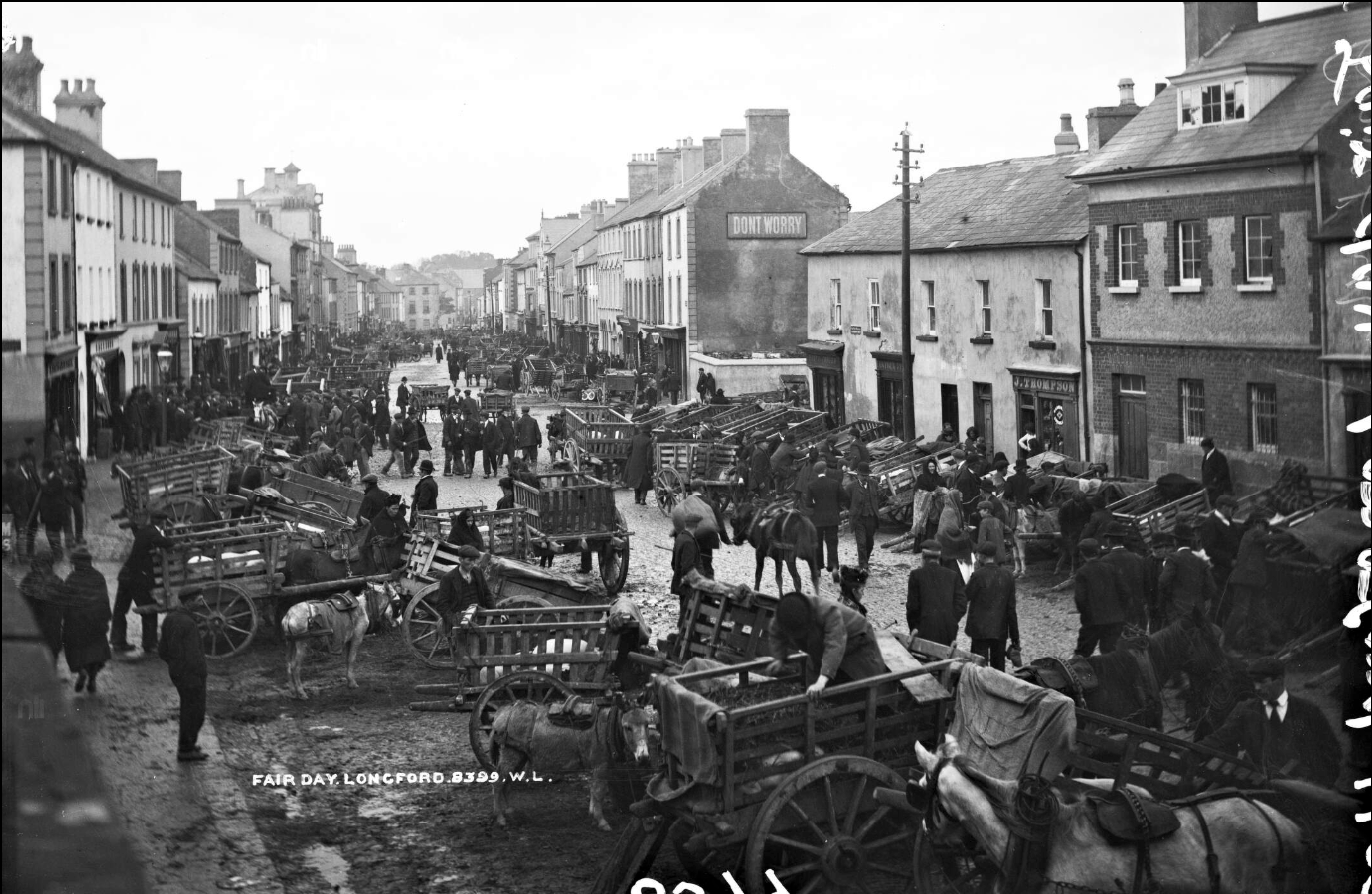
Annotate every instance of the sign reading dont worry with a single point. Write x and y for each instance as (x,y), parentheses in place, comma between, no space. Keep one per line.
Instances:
(766,225)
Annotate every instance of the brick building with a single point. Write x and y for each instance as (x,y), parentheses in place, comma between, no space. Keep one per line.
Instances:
(1206,299)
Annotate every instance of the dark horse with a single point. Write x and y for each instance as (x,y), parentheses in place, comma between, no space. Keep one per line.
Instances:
(310,565)
(782,534)
(1127,683)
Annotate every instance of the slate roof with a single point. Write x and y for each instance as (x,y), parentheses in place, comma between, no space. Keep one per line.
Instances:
(1020,201)
(192,215)
(1286,125)
(678,197)
(646,204)
(194,268)
(20,126)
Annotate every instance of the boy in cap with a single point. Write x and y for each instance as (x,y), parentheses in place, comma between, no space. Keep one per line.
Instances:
(991,610)
(1101,602)
(840,643)
(506,500)
(935,598)
(1285,735)
(373,498)
(136,582)
(685,557)
(184,653)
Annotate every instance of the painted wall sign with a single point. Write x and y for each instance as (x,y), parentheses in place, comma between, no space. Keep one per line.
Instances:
(1045,383)
(767,225)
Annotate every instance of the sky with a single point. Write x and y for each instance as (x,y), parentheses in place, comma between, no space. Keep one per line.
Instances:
(433,128)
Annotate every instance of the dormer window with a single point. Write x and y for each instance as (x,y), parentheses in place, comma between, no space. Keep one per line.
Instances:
(1214,103)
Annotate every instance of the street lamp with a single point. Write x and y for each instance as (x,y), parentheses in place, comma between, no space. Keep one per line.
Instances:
(164,359)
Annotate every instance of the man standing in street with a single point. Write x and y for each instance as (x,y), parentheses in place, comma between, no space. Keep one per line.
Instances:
(492,446)
(1185,581)
(1214,471)
(529,437)
(373,499)
(425,493)
(864,499)
(1100,597)
(824,497)
(671,386)
(136,583)
(402,394)
(685,556)
(1220,536)
(185,656)
(1137,574)
(396,438)
(471,441)
(935,598)
(452,443)
(508,439)
(991,612)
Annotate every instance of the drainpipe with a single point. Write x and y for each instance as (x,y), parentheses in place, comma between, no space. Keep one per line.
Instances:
(1322,290)
(1085,358)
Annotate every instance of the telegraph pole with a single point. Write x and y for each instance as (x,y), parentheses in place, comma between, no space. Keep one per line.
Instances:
(907,360)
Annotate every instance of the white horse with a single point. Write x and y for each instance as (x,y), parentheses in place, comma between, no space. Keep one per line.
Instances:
(341,630)
(1259,850)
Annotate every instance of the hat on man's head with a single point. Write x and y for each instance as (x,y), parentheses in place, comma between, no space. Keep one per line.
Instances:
(80,551)
(986,549)
(864,468)
(393,500)
(820,468)
(1116,531)
(959,454)
(507,482)
(1207,442)
(931,548)
(426,466)
(524,409)
(1184,528)
(370,478)
(759,435)
(985,506)
(693,518)
(468,552)
(794,613)
(1021,463)
(1089,547)
(1264,668)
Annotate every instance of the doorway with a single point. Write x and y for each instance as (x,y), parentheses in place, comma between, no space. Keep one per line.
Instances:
(1132,409)
(949,395)
(982,416)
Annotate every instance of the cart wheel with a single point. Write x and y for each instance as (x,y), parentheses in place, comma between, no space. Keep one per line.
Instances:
(614,560)
(228,620)
(324,508)
(423,630)
(669,487)
(534,686)
(187,511)
(941,867)
(527,601)
(822,830)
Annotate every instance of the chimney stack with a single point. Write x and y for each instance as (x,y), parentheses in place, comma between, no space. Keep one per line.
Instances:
(769,135)
(170,181)
(1158,87)
(712,151)
(1103,122)
(734,142)
(81,110)
(666,168)
(1208,23)
(642,176)
(22,74)
(1066,141)
(241,194)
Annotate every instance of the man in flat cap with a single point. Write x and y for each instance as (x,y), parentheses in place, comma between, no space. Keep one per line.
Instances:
(841,644)
(1101,602)
(1185,580)
(760,465)
(1285,735)
(461,587)
(991,612)
(373,498)
(685,557)
(1219,535)
(529,437)
(935,598)
(1137,574)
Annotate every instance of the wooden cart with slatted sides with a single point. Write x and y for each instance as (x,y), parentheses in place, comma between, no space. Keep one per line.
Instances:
(178,484)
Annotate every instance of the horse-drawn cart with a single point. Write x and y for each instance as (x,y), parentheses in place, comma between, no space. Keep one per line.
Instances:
(707,466)
(600,439)
(620,385)
(176,484)
(572,511)
(1154,511)
(496,401)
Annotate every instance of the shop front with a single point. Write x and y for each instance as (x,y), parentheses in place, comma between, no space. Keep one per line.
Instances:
(890,401)
(825,360)
(1049,400)
(629,327)
(673,355)
(60,394)
(105,373)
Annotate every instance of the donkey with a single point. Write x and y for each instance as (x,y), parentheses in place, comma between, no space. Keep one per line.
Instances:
(343,629)
(784,535)
(1257,850)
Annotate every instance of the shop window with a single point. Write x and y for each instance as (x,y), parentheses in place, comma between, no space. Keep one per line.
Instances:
(1262,415)
(1191,405)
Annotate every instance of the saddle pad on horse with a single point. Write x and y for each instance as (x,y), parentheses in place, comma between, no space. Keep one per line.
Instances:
(1073,675)
(577,712)
(1007,726)
(323,620)
(1123,813)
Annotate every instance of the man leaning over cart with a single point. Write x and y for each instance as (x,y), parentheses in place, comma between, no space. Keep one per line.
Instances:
(136,581)
(840,642)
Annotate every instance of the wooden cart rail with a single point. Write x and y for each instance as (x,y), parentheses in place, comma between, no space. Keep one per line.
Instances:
(158,482)
(495,401)
(502,530)
(242,552)
(899,478)
(227,432)
(573,637)
(305,488)
(1150,517)
(722,623)
(569,504)
(689,419)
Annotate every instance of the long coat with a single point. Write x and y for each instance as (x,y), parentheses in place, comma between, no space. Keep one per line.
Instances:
(54,508)
(86,617)
(1101,594)
(935,600)
(638,470)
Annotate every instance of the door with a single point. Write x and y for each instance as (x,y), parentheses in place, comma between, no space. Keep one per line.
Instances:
(828,394)
(1357,447)
(889,404)
(1133,426)
(950,407)
(981,412)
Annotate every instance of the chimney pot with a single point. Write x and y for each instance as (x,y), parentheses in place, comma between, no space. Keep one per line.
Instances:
(90,85)
(1066,122)
(1127,91)
(78,86)
(64,86)
(1206,24)
(1066,141)
(240,187)
(28,44)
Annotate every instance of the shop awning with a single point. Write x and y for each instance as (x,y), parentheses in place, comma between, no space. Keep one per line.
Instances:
(822,347)
(104,344)
(61,363)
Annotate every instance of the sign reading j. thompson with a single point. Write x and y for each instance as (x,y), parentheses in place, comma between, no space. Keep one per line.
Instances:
(767,225)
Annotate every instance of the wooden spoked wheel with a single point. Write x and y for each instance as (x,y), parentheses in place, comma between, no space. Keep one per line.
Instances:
(188,511)
(528,601)
(952,867)
(669,489)
(534,686)
(423,629)
(821,830)
(228,620)
(614,559)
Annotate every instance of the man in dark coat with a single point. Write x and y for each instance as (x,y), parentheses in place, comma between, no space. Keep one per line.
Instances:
(452,443)
(508,439)
(19,493)
(864,501)
(1101,602)
(463,586)
(839,641)
(470,405)
(935,598)
(671,386)
(824,498)
(705,385)
(54,507)
(1185,581)
(387,535)
(492,446)
(638,470)
(1219,537)
(759,465)
(991,610)
(470,431)
(1138,576)
(454,367)
(1285,735)
(783,462)
(1214,471)
(402,394)
(528,437)
(85,620)
(136,582)
(184,653)
(425,492)
(45,594)
(685,557)
(1072,518)
(373,499)
(966,482)
(1246,628)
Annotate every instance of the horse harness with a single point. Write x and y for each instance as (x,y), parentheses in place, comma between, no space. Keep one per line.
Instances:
(1121,813)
